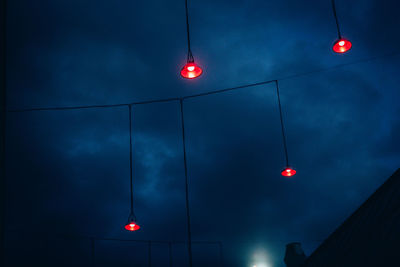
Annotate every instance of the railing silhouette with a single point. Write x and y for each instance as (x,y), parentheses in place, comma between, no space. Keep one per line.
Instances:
(93,243)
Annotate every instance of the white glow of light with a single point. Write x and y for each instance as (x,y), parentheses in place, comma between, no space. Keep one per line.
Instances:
(261,265)
(259,258)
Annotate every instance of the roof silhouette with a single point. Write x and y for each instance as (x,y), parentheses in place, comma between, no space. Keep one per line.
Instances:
(370,236)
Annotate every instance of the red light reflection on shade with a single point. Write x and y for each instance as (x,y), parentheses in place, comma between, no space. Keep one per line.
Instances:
(191,70)
(342,46)
(132,226)
(288,172)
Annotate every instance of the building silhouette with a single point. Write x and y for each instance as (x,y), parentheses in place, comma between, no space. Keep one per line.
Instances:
(369,237)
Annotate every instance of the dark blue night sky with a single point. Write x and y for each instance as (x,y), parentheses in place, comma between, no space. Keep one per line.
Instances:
(68,171)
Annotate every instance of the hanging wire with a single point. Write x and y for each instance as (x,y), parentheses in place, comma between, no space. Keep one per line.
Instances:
(3,127)
(93,251)
(152,101)
(69,236)
(93,241)
(190,55)
(132,214)
(171,260)
(336,18)
(221,255)
(149,254)
(282,126)
(189,243)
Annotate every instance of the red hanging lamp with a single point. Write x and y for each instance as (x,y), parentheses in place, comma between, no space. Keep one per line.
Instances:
(131,225)
(341,45)
(288,171)
(191,70)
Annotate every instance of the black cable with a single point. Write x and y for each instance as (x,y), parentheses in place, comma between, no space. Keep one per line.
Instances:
(394,53)
(93,254)
(3,129)
(282,127)
(227,89)
(221,255)
(85,237)
(171,260)
(130,161)
(157,241)
(336,19)
(96,106)
(190,55)
(149,254)
(186,188)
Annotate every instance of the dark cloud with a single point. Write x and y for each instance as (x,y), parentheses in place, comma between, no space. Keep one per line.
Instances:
(68,171)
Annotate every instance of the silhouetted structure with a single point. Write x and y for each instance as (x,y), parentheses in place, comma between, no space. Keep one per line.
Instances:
(294,256)
(3,108)
(369,237)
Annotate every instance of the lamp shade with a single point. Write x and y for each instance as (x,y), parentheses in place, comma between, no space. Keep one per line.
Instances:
(191,70)
(132,226)
(341,46)
(288,172)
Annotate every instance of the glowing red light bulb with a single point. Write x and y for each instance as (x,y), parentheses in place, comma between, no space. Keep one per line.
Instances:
(341,46)
(288,172)
(191,70)
(132,226)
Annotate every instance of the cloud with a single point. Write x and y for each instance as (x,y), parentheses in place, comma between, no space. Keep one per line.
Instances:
(68,171)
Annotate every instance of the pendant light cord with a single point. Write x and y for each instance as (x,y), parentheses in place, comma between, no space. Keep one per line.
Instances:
(282,127)
(3,141)
(336,19)
(130,160)
(171,261)
(186,188)
(190,55)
